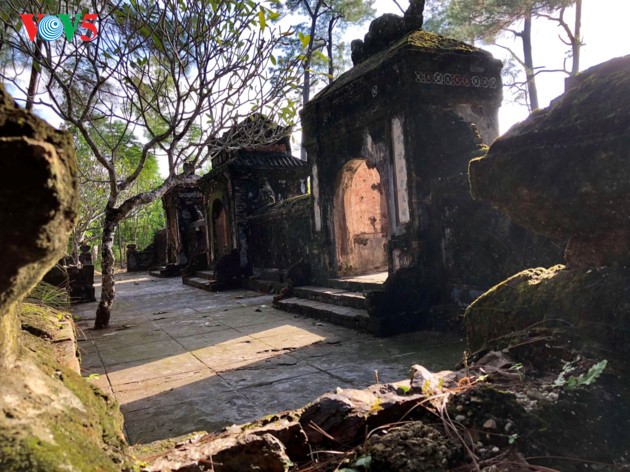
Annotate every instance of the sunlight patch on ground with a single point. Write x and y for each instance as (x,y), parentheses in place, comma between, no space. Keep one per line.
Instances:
(151,378)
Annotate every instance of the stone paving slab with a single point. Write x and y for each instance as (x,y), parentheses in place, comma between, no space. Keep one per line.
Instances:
(179,359)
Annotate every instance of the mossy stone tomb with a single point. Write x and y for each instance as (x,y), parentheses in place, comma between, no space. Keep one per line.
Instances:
(388,144)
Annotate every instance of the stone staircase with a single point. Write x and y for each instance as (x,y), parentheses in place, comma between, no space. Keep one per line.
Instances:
(342,303)
(171,270)
(203,279)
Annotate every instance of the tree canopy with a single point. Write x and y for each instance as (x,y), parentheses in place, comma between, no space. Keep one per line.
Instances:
(489,20)
(177,74)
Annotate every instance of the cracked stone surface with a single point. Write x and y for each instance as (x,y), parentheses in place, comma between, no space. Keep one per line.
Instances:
(179,359)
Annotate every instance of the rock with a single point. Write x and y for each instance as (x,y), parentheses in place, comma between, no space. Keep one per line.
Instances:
(286,428)
(565,171)
(240,453)
(413,447)
(51,418)
(490,424)
(595,302)
(345,414)
(38,202)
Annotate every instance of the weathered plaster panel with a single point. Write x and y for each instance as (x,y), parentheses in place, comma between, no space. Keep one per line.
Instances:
(315,191)
(400,170)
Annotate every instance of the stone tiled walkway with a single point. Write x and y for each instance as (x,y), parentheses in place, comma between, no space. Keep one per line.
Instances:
(179,359)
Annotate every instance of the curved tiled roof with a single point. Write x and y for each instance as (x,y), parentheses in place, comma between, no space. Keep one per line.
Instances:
(266,160)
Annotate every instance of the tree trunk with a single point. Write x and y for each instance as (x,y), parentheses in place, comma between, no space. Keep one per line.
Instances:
(576,44)
(120,246)
(306,89)
(34,79)
(329,47)
(104,310)
(75,245)
(306,86)
(526,36)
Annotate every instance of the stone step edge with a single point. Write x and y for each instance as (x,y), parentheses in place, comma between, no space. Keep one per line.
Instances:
(346,298)
(204,274)
(204,284)
(347,317)
(353,286)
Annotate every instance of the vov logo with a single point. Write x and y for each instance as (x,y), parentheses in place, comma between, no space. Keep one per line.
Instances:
(51,27)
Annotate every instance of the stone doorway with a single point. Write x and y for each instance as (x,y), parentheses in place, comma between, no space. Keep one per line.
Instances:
(220,233)
(361,220)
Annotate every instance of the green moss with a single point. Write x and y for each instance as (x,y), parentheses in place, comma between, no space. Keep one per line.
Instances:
(77,427)
(154,449)
(419,41)
(434,42)
(596,303)
(40,320)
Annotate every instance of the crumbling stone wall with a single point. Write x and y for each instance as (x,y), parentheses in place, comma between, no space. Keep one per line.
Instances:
(280,233)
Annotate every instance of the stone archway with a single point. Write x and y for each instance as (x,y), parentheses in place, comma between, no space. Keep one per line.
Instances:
(220,231)
(361,221)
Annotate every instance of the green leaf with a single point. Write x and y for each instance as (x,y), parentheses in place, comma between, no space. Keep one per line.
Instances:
(591,376)
(273,60)
(320,55)
(305,39)
(262,19)
(594,372)
(364,461)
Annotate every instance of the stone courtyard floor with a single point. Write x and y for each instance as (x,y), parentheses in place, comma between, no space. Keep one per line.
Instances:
(179,359)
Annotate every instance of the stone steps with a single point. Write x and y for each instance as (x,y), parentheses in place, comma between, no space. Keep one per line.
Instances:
(156,271)
(354,285)
(202,283)
(334,296)
(165,271)
(348,317)
(205,274)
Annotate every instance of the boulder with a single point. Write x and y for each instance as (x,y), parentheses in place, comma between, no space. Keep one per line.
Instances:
(565,171)
(51,418)
(595,302)
(38,204)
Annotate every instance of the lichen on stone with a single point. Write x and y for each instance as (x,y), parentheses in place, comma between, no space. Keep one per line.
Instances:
(52,419)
